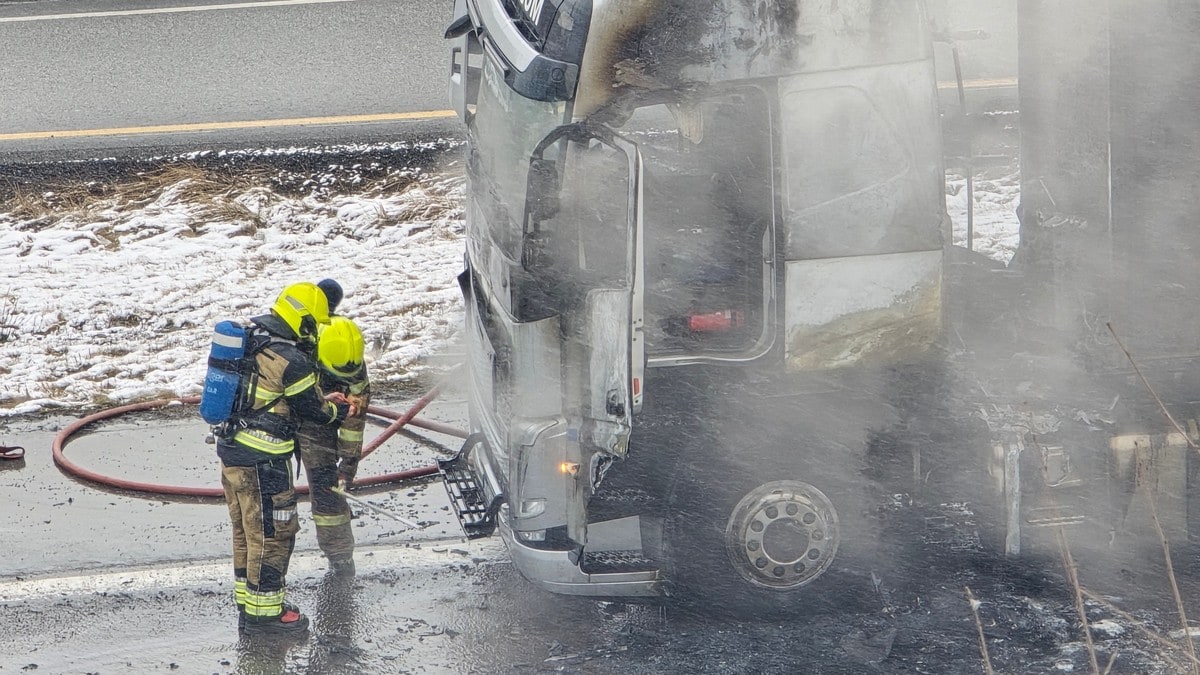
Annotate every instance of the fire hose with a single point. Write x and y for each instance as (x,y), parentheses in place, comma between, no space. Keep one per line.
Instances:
(409,417)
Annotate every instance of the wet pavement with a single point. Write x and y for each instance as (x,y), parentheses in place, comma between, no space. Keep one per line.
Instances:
(58,523)
(102,581)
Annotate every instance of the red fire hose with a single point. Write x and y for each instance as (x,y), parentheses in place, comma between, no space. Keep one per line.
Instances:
(401,420)
(408,417)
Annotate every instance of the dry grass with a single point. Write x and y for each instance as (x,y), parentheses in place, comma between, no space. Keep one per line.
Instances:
(1183,620)
(8,322)
(983,649)
(215,192)
(1073,576)
(1168,646)
(40,208)
(1188,661)
(81,198)
(224,209)
(1080,593)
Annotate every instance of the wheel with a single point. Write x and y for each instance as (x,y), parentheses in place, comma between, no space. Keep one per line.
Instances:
(745,545)
(769,508)
(782,535)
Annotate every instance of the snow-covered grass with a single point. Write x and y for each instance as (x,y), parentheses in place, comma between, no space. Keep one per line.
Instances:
(110,290)
(111,286)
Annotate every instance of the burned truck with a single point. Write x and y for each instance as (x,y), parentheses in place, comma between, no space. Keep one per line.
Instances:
(1103,356)
(751,191)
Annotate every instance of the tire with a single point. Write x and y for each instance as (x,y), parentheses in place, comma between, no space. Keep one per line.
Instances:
(770,505)
(762,545)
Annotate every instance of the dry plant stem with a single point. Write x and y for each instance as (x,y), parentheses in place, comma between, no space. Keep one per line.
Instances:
(1073,575)
(1137,623)
(1064,549)
(1112,658)
(1166,547)
(983,650)
(1161,405)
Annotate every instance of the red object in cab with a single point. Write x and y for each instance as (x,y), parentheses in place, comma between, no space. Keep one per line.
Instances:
(712,322)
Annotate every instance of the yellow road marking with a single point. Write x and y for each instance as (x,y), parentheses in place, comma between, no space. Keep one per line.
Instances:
(337,119)
(992,83)
(218,126)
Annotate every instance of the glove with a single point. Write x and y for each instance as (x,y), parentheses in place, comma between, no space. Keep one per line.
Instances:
(339,399)
(358,404)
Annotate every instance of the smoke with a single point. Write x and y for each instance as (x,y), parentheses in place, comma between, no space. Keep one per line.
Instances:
(806,318)
(1107,133)
(1108,220)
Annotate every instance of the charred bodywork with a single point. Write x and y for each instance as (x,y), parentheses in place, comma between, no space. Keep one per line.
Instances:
(676,183)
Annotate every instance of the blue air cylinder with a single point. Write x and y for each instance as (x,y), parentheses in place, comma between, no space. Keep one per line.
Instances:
(222,384)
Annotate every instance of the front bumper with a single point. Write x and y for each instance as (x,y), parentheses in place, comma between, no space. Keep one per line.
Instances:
(559,571)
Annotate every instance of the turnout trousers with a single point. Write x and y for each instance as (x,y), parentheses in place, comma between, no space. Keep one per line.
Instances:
(262,510)
(330,512)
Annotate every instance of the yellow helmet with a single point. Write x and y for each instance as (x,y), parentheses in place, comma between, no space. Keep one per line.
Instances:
(303,307)
(340,349)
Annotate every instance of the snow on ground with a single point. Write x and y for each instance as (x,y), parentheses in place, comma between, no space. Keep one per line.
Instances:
(114,301)
(996,194)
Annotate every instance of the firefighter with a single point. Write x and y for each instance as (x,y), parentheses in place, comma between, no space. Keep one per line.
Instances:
(331,455)
(256,457)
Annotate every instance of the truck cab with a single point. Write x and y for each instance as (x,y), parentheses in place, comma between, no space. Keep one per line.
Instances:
(655,187)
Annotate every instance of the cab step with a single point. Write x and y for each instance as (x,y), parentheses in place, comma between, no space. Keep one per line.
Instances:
(475,511)
(610,562)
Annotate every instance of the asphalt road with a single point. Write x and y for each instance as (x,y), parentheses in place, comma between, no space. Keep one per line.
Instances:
(101,581)
(87,76)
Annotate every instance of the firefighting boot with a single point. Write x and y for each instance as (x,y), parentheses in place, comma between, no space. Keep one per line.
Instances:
(290,622)
(342,566)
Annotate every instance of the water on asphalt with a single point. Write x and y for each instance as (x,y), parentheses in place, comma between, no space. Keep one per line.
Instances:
(99,580)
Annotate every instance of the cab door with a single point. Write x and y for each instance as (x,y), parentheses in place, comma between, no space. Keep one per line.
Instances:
(582,252)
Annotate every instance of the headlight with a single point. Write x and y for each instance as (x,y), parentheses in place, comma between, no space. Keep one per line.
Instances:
(533,535)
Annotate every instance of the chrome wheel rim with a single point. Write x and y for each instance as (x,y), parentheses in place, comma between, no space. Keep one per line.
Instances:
(782,535)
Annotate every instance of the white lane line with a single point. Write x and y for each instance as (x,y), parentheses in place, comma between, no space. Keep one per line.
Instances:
(433,554)
(165,10)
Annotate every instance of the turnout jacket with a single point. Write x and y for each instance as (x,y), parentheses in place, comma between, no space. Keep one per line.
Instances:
(284,392)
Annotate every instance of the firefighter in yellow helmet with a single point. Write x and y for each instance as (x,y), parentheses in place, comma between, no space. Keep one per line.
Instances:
(331,455)
(256,452)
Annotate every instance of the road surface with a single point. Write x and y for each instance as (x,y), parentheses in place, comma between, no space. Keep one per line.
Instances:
(87,76)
